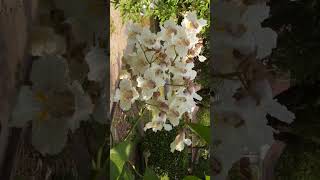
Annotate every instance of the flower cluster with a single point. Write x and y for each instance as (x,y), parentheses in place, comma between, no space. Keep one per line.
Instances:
(158,70)
(240,46)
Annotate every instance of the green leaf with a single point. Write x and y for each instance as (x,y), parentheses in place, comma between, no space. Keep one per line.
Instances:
(99,158)
(150,175)
(202,131)
(191,178)
(126,174)
(207,177)
(93,164)
(118,157)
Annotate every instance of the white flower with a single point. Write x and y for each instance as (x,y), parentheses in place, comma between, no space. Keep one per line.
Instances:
(49,72)
(183,42)
(168,30)
(44,41)
(126,94)
(171,51)
(150,82)
(202,58)
(83,106)
(255,15)
(133,30)
(152,5)
(184,70)
(124,74)
(139,61)
(148,39)
(179,142)
(97,61)
(266,40)
(158,122)
(52,105)
(192,23)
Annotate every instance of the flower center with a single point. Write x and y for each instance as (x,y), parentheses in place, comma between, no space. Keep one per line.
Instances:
(151,84)
(192,25)
(171,31)
(150,41)
(128,94)
(184,42)
(61,104)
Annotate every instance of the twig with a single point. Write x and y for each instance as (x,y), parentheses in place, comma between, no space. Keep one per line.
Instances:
(144,53)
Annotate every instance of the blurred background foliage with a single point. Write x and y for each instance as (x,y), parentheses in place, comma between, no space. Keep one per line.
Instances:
(298,26)
(298,52)
(161,10)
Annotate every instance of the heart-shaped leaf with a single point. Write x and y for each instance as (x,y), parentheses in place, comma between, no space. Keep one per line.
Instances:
(119,155)
(150,175)
(202,131)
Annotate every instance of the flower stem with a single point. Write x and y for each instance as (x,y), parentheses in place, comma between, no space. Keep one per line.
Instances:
(135,124)
(175,85)
(144,53)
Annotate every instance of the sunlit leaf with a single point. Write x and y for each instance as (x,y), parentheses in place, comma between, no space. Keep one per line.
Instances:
(202,131)
(191,178)
(150,175)
(118,156)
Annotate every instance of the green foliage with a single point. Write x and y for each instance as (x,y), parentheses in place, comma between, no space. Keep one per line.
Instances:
(203,116)
(204,71)
(119,155)
(191,178)
(200,130)
(298,43)
(201,168)
(126,174)
(300,159)
(162,10)
(161,159)
(299,163)
(150,175)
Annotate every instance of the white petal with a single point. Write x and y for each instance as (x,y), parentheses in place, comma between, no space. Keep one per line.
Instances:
(148,126)
(116,97)
(83,106)
(180,146)
(48,73)
(202,58)
(266,40)
(197,96)
(187,142)
(25,109)
(280,112)
(264,150)
(174,121)
(173,146)
(49,136)
(125,105)
(97,61)
(44,41)
(167,127)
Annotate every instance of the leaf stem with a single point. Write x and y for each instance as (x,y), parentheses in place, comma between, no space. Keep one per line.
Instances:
(134,168)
